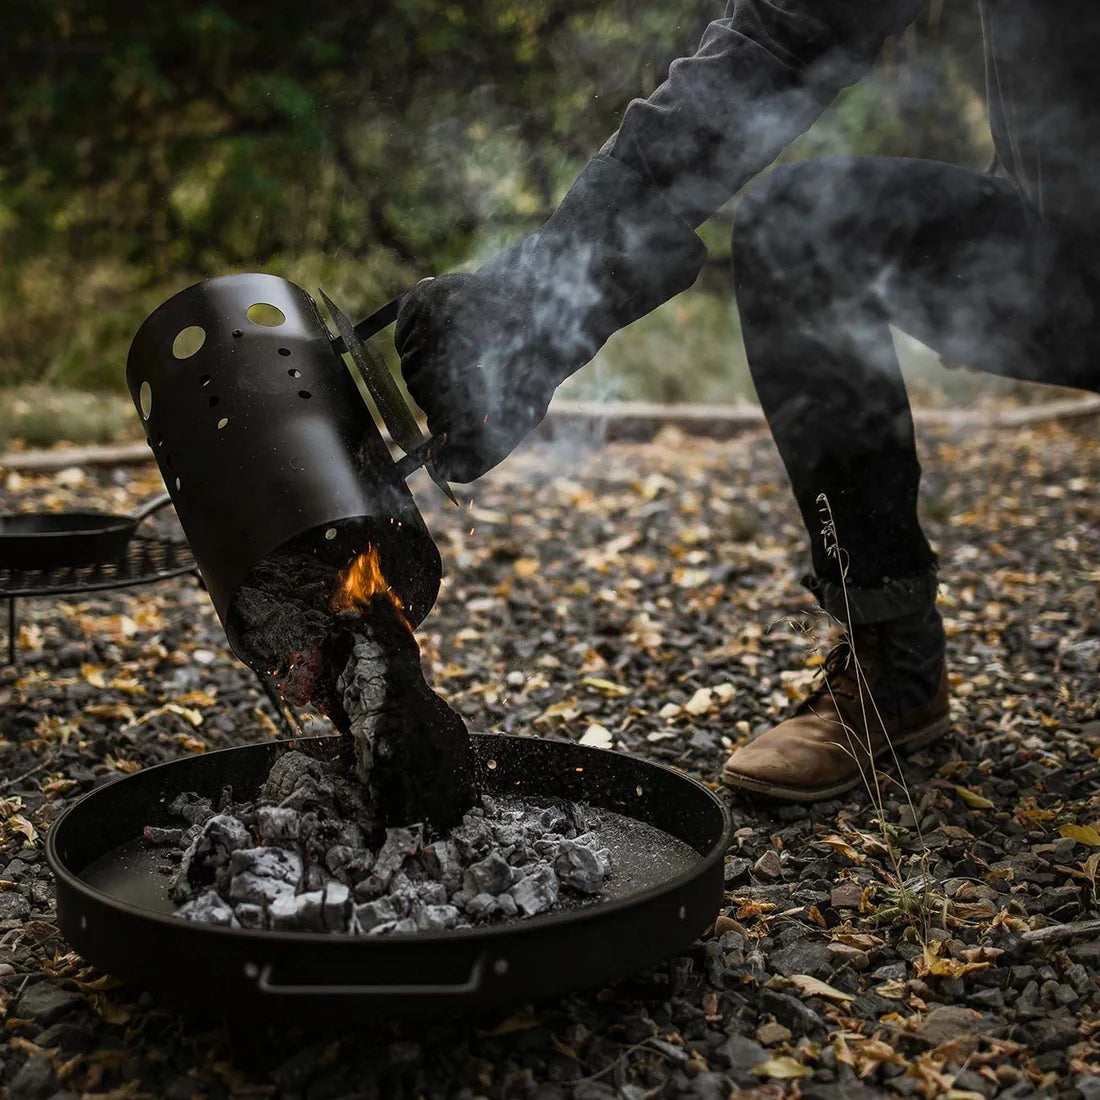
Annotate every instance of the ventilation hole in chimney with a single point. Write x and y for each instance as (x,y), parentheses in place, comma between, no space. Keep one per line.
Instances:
(222,423)
(304,394)
(330,534)
(238,332)
(145,399)
(284,351)
(265,314)
(188,341)
(214,401)
(638,791)
(491,765)
(294,373)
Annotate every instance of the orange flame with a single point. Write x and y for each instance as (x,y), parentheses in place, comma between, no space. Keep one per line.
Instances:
(361,581)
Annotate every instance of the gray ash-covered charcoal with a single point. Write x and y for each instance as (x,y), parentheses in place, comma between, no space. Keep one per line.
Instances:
(192,808)
(170,837)
(250,915)
(287,772)
(277,824)
(208,908)
(583,865)
(261,875)
(492,875)
(536,892)
(336,907)
(209,853)
(268,865)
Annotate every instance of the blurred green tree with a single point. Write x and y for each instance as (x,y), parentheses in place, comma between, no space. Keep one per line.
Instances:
(358,146)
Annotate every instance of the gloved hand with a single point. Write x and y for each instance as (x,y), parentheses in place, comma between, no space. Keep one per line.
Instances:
(483,353)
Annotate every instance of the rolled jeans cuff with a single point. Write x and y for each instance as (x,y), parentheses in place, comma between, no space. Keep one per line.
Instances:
(892,598)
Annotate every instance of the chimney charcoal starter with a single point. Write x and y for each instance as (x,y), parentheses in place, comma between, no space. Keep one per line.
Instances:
(282,482)
(405,868)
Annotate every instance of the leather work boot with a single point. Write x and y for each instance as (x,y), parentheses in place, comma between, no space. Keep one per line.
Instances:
(848,721)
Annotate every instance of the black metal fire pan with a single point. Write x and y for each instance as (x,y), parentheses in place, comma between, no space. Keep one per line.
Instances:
(113,908)
(51,540)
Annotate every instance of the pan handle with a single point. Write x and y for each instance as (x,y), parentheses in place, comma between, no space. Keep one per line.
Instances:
(149,507)
(265,984)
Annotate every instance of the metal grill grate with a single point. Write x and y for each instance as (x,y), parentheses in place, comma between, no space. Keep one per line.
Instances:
(147,559)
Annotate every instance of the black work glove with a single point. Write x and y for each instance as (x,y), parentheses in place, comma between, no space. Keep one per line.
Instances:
(483,353)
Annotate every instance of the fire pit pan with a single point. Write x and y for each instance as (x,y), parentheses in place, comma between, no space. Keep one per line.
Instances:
(112,901)
(51,540)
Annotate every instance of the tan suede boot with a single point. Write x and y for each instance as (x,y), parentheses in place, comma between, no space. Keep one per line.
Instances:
(831,742)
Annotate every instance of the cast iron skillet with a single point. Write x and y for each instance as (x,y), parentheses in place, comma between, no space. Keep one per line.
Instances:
(112,903)
(49,540)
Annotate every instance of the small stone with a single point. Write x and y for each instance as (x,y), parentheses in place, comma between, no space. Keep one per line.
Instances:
(736,870)
(769,865)
(36,1078)
(13,906)
(987,998)
(856,958)
(46,1003)
(741,1053)
(805,956)
(847,895)
(772,1032)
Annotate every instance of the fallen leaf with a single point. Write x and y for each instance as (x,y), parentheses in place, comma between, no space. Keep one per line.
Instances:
(1083,834)
(813,987)
(597,736)
(606,686)
(974,800)
(781,1069)
(700,702)
(18,823)
(842,847)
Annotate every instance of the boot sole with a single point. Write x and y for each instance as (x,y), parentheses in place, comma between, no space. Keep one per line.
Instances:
(915,740)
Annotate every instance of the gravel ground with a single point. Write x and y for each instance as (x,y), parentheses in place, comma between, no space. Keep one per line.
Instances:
(644,597)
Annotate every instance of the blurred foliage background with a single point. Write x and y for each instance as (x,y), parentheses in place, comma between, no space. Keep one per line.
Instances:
(360,147)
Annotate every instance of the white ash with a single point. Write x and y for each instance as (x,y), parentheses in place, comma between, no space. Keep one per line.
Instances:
(296,860)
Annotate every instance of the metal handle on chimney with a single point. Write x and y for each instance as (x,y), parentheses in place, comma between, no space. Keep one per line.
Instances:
(472,984)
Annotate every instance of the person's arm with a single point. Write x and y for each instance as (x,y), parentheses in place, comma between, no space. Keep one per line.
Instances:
(759,79)
(482,354)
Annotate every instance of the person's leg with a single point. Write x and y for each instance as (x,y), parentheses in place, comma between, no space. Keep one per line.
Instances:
(827,255)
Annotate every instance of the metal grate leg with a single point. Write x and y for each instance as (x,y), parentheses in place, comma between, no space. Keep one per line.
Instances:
(12,630)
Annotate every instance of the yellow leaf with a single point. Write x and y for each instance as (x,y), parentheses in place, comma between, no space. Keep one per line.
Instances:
(813,987)
(974,800)
(525,567)
(700,702)
(93,674)
(606,686)
(782,1069)
(20,824)
(519,1021)
(842,847)
(1083,834)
